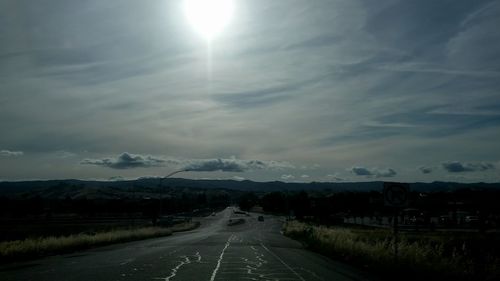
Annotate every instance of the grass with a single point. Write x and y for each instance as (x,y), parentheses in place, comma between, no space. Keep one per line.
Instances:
(32,248)
(423,255)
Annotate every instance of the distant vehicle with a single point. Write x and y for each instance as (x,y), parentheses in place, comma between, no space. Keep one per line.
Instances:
(416,220)
(260,218)
(445,220)
(472,220)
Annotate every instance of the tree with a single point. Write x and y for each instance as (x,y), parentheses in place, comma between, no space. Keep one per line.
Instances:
(274,202)
(247,201)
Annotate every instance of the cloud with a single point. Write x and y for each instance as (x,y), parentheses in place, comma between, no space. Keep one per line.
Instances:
(233,165)
(310,167)
(217,165)
(64,154)
(304,176)
(385,173)
(287,177)
(421,101)
(126,161)
(459,167)
(429,68)
(360,171)
(378,173)
(237,178)
(9,153)
(467,49)
(334,177)
(425,170)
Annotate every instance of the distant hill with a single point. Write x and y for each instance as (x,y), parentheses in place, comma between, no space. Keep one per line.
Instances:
(149,187)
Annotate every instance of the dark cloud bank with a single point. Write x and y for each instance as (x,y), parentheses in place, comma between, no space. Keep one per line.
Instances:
(425,170)
(126,161)
(362,171)
(129,161)
(459,167)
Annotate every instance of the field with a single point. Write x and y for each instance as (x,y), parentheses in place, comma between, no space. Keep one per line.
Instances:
(435,256)
(63,225)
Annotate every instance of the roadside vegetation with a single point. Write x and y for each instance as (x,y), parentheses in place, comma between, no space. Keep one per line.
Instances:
(435,256)
(31,248)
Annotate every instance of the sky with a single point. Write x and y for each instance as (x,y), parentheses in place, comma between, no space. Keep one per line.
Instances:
(294,91)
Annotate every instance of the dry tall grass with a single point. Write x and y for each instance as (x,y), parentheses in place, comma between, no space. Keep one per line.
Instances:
(423,255)
(37,247)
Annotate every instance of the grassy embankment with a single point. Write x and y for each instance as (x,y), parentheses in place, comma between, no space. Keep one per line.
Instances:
(38,247)
(433,256)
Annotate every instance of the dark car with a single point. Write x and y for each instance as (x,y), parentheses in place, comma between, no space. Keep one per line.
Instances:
(472,220)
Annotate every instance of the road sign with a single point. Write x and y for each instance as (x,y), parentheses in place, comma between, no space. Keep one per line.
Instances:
(396,194)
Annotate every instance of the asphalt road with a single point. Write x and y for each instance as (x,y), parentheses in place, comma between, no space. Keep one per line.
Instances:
(253,250)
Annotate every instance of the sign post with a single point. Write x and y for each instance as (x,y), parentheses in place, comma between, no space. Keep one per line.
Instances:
(396,196)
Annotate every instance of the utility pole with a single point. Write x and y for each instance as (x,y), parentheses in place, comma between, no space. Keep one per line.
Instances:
(161,191)
(395,232)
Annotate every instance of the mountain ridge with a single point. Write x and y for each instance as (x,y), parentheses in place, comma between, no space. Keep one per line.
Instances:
(74,187)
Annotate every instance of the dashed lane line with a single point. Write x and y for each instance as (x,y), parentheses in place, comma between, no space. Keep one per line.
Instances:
(216,269)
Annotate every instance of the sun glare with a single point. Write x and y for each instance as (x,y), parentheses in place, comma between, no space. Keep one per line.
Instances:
(208,17)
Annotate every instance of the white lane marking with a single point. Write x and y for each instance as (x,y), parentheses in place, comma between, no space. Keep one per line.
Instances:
(214,273)
(187,260)
(284,263)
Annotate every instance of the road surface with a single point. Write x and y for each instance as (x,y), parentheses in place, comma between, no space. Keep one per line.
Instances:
(254,250)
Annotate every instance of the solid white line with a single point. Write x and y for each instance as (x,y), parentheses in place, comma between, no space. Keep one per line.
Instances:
(214,273)
(286,265)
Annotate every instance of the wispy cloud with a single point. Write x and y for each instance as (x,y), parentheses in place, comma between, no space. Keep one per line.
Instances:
(64,154)
(430,68)
(466,111)
(8,153)
(238,178)
(287,177)
(334,177)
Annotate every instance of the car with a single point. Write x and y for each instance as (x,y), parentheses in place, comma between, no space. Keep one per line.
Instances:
(472,220)
(260,218)
(445,220)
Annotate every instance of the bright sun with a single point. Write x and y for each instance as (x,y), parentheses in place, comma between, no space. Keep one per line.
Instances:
(208,17)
